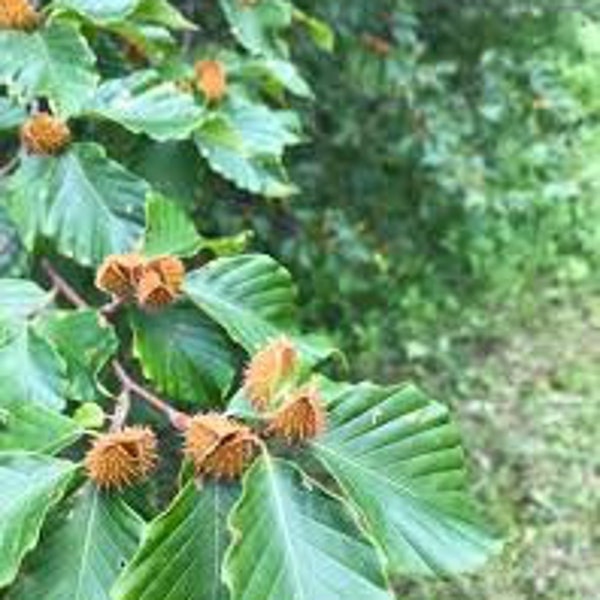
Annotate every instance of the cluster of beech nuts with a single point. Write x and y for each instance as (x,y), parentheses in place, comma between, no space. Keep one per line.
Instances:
(45,134)
(218,446)
(18,14)
(153,283)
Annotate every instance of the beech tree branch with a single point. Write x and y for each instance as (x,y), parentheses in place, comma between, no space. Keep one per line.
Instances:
(61,285)
(178,419)
(7,168)
(129,386)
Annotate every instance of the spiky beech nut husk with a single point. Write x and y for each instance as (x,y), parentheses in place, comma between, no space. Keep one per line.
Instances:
(302,417)
(119,274)
(18,14)
(120,458)
(170,270)
(152,292)
(211,78)
(267,370)
(219,447)
(45,134)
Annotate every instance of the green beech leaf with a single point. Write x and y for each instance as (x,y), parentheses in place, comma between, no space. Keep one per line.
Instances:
(11,115)
(13,258)
(36,429)
(321,33)
(82,555)
(53,61)
(155,41)
(274,72)
(101,12)
(20,298)
(88,204)
(161,12)
(169,230)
(253,298)
(295,542)
(90,416)
(31,371)
(173,169)
(86,341)
(257,25)
(182,551)
(30,485)
(244,143)
(398,458)
(184,354)
(144,104)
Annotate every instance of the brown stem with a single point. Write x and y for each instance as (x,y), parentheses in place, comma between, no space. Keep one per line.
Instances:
(122,407)
(62,286)
(178,419)
(112,307)
(9,166)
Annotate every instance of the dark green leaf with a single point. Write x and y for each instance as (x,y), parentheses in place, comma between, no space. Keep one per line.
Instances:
(36,429)
(169,230)
(245,142)
(162,13)
(321,33)
(54,61)
(11,115)
(398,458)
(80,558)
(29,486)
(182,551)
(88,204)
(86,342)
(296,542)
(144,104)
(258,25)
(20,298)
(253,298)
(31,371)
(103,12)
(185,355)
(274,71)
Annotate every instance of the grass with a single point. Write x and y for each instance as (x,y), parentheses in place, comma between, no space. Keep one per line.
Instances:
(529,407)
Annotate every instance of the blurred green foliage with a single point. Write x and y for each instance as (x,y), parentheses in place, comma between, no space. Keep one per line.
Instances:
(456,168)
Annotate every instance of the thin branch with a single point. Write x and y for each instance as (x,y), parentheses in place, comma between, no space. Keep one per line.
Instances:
(122,408)
(9,166)
(178,419)
(112,307)
(62,286)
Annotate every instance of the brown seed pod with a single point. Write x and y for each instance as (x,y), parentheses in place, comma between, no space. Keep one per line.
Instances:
(267,370)
(119,274)
(122,457)
(152,292)
(301,418)
(211,79)
(170,270)
(45,134)
(18,14)
(219,447)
